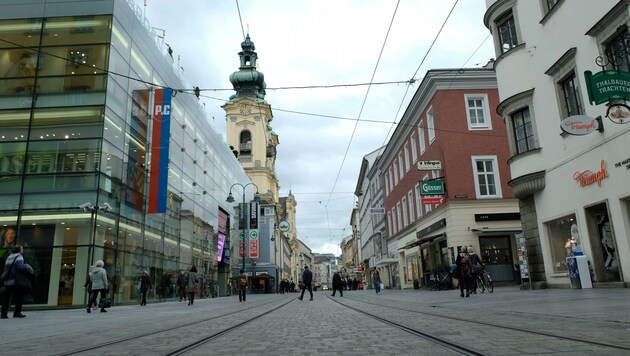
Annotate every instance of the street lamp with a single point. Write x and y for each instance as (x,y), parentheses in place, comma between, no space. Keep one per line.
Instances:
(230,199)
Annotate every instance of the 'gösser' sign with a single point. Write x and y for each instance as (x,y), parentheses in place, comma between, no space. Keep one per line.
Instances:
(432,187)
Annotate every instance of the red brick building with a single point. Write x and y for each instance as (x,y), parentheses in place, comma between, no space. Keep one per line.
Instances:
(450,145)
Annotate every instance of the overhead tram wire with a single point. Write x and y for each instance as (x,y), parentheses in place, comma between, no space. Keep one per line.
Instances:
(364,100)
(238,9)
(418,69)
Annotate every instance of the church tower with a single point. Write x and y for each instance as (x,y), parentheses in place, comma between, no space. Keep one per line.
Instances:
(248,131)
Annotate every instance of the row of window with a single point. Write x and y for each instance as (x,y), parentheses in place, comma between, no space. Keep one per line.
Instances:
(410,208)
(564,74)
(478,118)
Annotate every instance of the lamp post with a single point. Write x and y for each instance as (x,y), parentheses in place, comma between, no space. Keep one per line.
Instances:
(230,199)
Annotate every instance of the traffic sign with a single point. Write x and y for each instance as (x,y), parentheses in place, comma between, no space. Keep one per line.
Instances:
(253,234)
(432,187)
(433,200)
(284,226)
(429,165)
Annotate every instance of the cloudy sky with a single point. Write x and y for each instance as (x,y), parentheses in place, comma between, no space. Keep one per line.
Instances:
(331,50)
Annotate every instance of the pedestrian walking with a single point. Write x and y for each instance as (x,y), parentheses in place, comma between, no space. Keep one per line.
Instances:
(242,286)
(376,279)
(337,284)
(476,266)
(88,284)
(145,286)
(17,282)
(463,271)
(191,286)
(307,280)
(99,285)
(182,282)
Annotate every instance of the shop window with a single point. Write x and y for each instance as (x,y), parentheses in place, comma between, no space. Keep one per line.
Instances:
(560,236)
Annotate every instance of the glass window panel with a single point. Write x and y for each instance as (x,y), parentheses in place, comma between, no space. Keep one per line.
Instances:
(77,30)
(20,33)
(16,93)
(140,112)
(59,191)
(112,161)
(14,125)
(118,65)
(63,156)
(74,60)
(71,91)
(10,187)
(67,123)
(18,62)
(140,66)
(113,129)
(12,158)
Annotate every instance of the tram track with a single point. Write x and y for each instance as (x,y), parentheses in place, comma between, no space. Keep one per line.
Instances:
(481,324)
(189,345)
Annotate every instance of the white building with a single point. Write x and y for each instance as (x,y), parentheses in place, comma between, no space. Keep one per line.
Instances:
(571,188)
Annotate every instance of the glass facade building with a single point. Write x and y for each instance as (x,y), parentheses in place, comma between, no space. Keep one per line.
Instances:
(79,81)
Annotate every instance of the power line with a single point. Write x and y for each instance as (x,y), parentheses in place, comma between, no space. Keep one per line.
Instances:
(356,124)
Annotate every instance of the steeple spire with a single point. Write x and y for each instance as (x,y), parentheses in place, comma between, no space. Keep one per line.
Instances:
(247,81)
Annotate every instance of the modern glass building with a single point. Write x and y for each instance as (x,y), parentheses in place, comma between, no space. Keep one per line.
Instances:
(104,155)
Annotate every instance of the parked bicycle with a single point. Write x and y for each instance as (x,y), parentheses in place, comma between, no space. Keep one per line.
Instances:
(484,281)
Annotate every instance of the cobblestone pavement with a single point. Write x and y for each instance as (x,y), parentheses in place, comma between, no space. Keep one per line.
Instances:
(325,327)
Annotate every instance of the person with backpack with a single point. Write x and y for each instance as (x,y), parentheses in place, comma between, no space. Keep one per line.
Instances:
(464,273)
(242,286)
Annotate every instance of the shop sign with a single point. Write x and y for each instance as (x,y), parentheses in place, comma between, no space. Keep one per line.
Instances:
(377,211)
(432,200)
(431,187)
(618,113)
(607,85)
(579,125)
(429,165)
(589,177)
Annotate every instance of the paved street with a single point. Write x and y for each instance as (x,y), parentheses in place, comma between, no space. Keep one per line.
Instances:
(325,327)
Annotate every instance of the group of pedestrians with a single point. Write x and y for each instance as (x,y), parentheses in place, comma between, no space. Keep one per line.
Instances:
(468,265)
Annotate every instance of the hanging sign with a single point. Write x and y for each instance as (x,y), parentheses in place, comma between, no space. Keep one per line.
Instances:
(432,187)
(607,85)
(579,125)
(618,113)
(429,165)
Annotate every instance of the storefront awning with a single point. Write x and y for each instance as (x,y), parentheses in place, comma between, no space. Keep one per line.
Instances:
(497,229)
(386,261)
(421,241)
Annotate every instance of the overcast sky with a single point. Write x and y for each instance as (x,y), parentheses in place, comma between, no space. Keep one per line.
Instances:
(324,132)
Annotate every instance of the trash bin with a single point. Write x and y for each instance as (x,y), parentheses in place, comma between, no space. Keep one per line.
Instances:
(416,284)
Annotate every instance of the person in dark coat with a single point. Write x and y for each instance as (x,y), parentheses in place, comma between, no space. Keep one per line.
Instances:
(191,287)
(307,281)
(337,284)
(145,286)
(182,282)
(242,286)
(463,271)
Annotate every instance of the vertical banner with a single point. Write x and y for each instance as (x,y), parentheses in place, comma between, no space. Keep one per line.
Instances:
(161,131)
(254,240)
(223,218)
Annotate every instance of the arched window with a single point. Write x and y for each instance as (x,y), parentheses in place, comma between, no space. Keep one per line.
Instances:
(245,142)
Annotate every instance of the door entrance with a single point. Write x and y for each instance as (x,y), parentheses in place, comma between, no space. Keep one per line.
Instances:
(603,244)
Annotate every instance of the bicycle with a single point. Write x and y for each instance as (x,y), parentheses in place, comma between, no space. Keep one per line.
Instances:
(484,281)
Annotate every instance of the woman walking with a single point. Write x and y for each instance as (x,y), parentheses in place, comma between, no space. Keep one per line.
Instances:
(463,271)
(191,288)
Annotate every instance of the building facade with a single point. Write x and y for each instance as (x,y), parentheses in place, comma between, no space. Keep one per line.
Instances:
(445,173)
(571,183)
(105,156)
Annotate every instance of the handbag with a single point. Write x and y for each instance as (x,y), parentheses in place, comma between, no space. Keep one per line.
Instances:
(24,279)
(104,303)
(5,273)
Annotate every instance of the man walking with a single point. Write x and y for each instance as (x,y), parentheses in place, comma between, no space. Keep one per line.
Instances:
(307,279)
